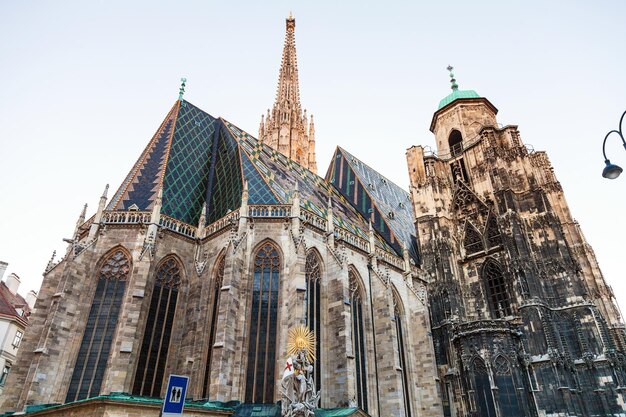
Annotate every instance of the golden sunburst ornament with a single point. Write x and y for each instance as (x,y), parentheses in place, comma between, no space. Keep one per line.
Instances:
(301,338)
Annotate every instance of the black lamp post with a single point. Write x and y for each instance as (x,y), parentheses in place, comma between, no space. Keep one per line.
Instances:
(611,171)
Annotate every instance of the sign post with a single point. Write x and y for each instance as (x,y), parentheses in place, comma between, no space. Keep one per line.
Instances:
(175,396)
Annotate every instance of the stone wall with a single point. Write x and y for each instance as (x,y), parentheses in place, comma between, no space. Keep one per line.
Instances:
(45,366)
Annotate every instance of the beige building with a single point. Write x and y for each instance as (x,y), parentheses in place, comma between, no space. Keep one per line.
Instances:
(14,313)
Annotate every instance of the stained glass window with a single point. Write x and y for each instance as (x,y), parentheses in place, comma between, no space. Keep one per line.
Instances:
(497,293)
(95,346)
(398,317)
(313,310)
(358,338)
(263,320)
(217,285)
(507,394)
(156,338)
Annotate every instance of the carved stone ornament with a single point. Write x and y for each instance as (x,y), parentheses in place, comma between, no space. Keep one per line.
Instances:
(299,396)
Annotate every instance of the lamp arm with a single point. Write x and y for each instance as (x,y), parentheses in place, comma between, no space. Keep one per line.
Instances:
(621,135)
(604,142)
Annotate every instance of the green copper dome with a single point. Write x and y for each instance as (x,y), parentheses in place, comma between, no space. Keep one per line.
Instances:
(456,94)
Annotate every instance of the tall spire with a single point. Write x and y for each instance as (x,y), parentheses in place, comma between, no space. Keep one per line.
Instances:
(285,128)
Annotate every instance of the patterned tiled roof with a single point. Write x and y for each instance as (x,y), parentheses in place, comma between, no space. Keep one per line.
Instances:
(198,158)
(377,198)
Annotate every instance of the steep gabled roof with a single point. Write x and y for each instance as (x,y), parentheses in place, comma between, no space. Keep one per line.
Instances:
(275,177)
(198,158)
(377,198)
(9,303)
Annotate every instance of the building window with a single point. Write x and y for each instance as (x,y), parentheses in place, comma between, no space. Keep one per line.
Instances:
(217,286)
(455,142)
(497,293)
(156,338)
(398,316)
(313,310)
(358,338)
(507,393)
(482,389)
(473,240)
(95,346)
(5,373)
(263,320)
(18,339)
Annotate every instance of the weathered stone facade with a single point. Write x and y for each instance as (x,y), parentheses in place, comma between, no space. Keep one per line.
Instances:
(522,320)
(43,371)
(216,244)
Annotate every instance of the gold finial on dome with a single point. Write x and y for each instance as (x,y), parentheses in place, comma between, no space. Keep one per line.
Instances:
(290,17)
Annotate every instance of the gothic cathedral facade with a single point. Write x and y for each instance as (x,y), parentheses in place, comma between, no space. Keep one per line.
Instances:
(474,294)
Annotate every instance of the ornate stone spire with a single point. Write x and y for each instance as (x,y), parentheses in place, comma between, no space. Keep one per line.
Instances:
(286,128)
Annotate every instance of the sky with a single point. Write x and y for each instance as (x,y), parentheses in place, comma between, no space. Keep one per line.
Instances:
(84,86)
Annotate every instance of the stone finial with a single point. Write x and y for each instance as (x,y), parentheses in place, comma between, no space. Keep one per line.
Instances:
(83,214)
(202,221)
(80,222)
(372,237)
(51,261)
(245,194)
(98,217)
(406,259)
(330,223)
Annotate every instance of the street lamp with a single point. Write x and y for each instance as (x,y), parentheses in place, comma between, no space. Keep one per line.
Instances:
(611,171)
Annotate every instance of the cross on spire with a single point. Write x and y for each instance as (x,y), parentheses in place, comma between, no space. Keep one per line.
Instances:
(181,91)
(454,85)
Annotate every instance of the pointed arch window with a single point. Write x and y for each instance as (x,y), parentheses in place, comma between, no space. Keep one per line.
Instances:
(497,293)
(218,280)
(313,272)
(507,393)
(156,337)
(482,389)
(494,238)
(262,337)
(358,338)
(473,240)
(398,313)
(455,142)
(95,346)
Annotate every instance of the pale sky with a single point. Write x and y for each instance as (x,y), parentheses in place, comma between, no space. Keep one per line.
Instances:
(84,86)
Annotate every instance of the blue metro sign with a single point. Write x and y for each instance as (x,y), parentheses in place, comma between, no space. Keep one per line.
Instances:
(175,396)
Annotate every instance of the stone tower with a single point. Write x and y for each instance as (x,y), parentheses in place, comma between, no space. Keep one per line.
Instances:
(286,128)
(523,322)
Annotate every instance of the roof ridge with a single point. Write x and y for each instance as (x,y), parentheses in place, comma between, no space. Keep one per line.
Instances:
(373,169)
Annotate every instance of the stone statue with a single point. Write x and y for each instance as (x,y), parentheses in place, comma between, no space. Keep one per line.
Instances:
(300,398)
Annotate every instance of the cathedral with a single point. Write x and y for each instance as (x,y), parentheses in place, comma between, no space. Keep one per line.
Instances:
(473,293)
